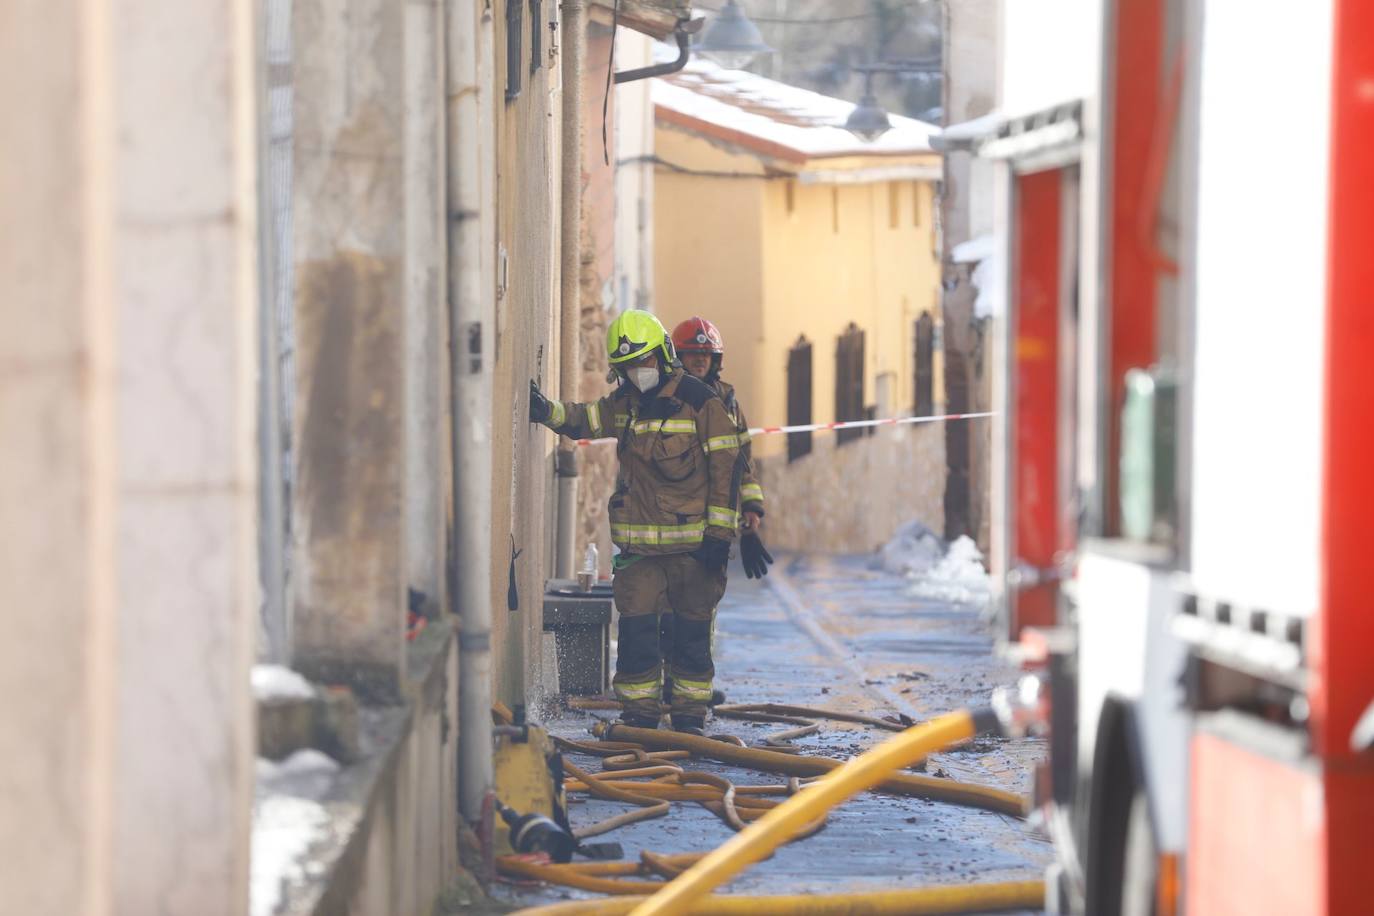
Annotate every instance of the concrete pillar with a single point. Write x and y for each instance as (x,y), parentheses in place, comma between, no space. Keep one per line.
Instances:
(127,409)
(57,568)
(349,431)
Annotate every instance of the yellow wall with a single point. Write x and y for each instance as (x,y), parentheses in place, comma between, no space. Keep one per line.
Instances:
(708,250)
(769,259)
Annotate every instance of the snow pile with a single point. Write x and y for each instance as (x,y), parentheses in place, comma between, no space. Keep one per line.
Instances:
(913,550)
(275,682)
(284,829)
(308,773)
(958,577)
(287,820)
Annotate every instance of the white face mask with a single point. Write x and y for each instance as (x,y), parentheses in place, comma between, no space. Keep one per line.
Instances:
(644,378)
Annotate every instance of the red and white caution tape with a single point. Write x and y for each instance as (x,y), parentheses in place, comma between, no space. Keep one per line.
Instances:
(845,424)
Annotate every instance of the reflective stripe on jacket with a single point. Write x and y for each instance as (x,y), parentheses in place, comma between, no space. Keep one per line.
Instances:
(751,491)
(680,468)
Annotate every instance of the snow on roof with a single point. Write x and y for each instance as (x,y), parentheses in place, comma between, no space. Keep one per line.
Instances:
(772,117)
(974,250)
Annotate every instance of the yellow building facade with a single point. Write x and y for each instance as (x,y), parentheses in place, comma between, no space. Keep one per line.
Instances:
(780,227)
(773,248)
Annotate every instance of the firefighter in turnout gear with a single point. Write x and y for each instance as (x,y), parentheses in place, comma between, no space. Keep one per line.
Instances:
(702,349)
(673,514)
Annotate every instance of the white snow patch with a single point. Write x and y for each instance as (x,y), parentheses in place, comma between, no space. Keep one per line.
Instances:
(284,829)
(277,682)
(789,116)
(913,550)
(288,820)
(307,773)
(974,250)
(989,277)
(959,576)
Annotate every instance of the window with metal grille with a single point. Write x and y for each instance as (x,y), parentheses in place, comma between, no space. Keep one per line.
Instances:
(514,28)
(536,35)
(925,365)
(799,397)
(849,381)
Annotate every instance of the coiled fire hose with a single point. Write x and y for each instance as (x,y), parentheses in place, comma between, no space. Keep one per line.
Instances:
(799,816)
(759,839)
(945,790)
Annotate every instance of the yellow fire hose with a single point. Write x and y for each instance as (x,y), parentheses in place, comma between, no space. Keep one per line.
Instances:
(759,839)
(772,824)
(945,790)
(929,901)
(733,804)
(600,877)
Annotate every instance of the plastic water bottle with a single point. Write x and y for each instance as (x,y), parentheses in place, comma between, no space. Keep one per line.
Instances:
(587,577)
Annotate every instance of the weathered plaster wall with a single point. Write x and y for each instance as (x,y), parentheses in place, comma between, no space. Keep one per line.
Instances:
(523,511)
(349,249)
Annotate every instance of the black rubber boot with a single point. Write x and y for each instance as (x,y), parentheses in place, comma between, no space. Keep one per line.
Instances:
(689,725)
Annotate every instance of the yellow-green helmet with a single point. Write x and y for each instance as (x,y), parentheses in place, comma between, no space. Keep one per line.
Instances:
(634,333)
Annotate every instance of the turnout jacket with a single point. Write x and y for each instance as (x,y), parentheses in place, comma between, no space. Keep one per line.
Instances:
(751,491)
(680,466)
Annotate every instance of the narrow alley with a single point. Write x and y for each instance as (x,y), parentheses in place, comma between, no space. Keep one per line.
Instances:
(674,458)
(799,639)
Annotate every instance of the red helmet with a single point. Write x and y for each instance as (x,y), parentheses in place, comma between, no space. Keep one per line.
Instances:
(697,335)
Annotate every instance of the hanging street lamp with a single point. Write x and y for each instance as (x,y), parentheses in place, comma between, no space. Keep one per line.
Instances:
(868,120)
(731,39)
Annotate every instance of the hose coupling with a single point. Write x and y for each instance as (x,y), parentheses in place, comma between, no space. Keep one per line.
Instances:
(1022,709)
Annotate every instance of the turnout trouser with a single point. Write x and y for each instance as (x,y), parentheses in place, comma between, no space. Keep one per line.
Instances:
(678,585)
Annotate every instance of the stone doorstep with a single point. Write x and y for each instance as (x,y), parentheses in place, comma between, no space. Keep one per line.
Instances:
(362,791)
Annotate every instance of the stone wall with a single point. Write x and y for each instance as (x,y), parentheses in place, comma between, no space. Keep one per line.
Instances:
(851,498)
(597,463)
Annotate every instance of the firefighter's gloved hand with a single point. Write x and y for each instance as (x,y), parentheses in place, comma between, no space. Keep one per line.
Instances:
(713,553)
(756,557)
(539,405)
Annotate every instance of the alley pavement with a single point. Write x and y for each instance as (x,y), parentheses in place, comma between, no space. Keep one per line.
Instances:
(833,632)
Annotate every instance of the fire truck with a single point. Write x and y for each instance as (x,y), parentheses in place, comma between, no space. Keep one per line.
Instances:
(1184,482)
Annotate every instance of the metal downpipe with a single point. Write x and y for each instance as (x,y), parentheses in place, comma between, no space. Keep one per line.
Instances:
(468,130)
(570,268)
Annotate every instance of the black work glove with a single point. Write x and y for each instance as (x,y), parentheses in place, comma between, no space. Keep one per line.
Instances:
(713,553)
(539,405)
(756,557)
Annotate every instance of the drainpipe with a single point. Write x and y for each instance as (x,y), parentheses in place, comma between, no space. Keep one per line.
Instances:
(570,306)
(471,322)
